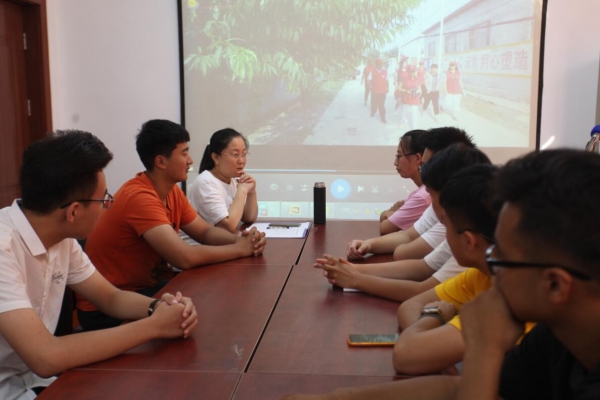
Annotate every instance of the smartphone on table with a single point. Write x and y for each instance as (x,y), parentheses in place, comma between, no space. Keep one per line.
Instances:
(372,339)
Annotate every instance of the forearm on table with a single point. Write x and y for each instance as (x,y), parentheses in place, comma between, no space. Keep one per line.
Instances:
(393,289)
(427,347)
(126,305)
(205,254)
(216,236)
(427,387)
(416,270)
(387,244)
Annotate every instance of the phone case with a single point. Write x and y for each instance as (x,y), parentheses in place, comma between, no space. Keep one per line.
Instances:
(370,340)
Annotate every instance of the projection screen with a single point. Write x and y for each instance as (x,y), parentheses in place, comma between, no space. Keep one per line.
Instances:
(288,74)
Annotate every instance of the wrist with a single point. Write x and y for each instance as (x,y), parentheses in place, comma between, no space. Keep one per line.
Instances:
(433,312)
(153,306)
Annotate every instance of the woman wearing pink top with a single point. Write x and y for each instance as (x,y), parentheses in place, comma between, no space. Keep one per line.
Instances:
(405,213)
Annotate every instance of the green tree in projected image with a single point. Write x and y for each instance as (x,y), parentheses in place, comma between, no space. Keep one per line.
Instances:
(303,43)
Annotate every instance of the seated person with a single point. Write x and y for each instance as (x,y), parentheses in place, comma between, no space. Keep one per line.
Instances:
(427,233)
(545,268)
(136,242)
(63,193)
(429,345)
(223,194)
(403,214)
(401,280)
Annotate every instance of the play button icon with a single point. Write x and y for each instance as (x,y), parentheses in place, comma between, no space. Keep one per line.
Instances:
(340,189)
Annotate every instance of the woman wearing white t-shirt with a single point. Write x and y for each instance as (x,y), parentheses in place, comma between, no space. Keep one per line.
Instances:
(222,193)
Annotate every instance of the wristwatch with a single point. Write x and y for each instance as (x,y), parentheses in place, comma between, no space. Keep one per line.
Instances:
(434,312)
(152,306)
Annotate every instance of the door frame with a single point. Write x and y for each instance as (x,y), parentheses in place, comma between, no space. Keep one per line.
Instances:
(37,67)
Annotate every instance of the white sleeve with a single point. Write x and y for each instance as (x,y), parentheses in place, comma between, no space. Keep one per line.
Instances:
(449,270)
(13,286)
(209,199)
(80,266)
(427,220)
(438,257)
(435,235)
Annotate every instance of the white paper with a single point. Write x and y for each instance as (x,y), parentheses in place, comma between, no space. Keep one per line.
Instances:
(282,232)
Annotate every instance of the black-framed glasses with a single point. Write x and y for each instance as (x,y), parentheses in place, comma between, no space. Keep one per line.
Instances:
(399,156)
(493,263)
(106,201)
(475,231)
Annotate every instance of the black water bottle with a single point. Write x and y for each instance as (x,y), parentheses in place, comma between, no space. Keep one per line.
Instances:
(319,201)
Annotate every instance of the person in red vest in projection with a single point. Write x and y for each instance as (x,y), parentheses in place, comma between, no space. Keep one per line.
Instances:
(379,88)
(453,90)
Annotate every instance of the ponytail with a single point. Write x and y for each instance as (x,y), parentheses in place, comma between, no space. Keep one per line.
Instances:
(207,162)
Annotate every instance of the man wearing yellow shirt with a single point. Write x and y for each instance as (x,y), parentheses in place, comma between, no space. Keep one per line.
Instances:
(431,340)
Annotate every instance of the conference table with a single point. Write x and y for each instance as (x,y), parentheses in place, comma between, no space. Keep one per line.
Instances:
(268,326)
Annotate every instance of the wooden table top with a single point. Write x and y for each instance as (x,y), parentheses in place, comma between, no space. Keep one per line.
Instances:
(307,333)
(147,385)
(256,386)
(333,238)
(234,303)
(278,328)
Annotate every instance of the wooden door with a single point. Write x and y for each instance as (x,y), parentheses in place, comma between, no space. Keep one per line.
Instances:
(14,128)
(25,110)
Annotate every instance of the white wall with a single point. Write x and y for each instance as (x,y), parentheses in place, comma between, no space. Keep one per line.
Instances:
(114,65)
(570,72)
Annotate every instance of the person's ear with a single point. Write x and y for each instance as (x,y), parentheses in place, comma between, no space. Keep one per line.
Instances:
(71,211)
(419,158)
(470,240)
(215,158)
(557,285)
(160,162)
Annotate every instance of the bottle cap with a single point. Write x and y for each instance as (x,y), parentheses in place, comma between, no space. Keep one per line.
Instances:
(319,184)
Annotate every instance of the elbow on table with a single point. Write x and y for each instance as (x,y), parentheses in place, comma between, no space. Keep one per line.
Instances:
(184,262)
(47,364)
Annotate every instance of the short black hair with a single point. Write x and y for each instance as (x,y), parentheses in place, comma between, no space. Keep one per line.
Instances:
(443,164)
(557,193)
(60,168)
(218,142)
(439,138)
(412,142)
(468,199)
(159,137)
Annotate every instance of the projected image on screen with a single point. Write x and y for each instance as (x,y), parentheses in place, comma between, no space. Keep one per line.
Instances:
(328,87)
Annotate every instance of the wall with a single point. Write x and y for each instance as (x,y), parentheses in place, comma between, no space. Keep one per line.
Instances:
(570,72)
(114,64)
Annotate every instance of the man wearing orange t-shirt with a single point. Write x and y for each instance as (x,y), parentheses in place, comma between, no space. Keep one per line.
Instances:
(136,242)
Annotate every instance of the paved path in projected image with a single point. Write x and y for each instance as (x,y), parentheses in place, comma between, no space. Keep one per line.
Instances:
(347,121)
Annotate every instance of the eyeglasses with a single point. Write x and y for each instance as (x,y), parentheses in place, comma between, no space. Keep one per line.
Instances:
(475,231)
(106,201)
(399,156)
(494,264)
(238,156)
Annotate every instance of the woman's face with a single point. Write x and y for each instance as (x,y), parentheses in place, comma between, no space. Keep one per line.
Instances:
(407,164)
(232,160)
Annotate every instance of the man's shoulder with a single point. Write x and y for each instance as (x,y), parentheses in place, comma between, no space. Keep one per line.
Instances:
(138,186)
